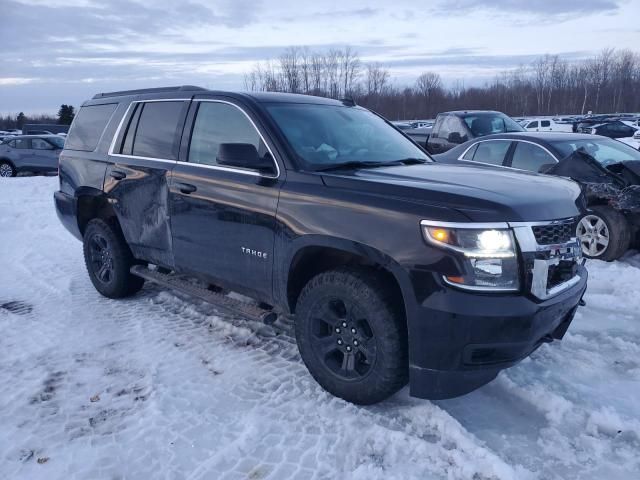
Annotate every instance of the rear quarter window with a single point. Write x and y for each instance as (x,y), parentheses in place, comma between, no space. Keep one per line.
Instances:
(88,127)
(157,131)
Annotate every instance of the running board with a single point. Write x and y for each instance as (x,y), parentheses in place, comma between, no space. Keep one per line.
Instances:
(228,304)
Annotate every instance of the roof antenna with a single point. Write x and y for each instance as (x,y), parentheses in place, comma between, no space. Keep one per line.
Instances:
(348,101)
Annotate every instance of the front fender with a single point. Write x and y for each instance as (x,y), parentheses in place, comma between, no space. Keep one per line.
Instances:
(285,262)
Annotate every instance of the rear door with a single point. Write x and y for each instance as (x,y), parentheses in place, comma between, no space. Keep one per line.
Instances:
(137,181)
(223,218)
(22,153)
(45,154)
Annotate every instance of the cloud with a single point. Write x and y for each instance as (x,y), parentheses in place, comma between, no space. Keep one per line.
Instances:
(358,13)
(6,81)
(562,9)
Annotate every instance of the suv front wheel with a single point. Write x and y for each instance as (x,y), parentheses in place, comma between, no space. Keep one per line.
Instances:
(351,336)
(108,260)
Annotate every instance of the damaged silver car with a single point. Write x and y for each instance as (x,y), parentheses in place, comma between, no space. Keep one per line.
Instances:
(607,170)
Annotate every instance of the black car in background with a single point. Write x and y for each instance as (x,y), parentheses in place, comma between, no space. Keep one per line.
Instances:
(453,128)
(615,129)
(607,170)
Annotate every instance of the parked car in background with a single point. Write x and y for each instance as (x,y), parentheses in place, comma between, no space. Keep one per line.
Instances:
(545,125)
(608,171)
(453,128)
(422,123)
(420,135)
(30,153)
(615,129)
(402,125)
(44,128)
(592,120)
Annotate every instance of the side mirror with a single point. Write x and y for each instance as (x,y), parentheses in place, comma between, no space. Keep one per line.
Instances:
(454,137)
(242,155)
(543,168)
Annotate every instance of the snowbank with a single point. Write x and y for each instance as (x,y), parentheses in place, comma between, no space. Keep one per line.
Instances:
(159,386)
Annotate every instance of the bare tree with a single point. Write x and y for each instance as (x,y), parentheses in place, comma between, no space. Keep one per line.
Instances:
(376,79)
(609,81)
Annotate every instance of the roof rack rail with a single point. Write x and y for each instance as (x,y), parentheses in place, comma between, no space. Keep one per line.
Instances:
(121,93)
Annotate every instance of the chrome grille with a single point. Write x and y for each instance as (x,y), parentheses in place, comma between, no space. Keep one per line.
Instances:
(551,255)
(554,233)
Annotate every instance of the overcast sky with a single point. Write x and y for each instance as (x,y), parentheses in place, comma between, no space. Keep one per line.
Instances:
(64,51)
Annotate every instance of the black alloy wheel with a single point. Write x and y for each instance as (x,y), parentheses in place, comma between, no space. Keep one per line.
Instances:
(342,339)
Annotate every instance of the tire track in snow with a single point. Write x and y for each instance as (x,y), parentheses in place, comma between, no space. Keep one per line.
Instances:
(186,393)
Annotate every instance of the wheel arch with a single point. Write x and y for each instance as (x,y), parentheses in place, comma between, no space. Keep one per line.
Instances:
(9,161)
(93,203)
(320,254)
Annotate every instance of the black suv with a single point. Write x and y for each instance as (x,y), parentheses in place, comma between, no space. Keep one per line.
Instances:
(394,268)
(453,128)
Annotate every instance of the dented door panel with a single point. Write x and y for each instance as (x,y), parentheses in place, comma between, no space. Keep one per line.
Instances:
(138,191)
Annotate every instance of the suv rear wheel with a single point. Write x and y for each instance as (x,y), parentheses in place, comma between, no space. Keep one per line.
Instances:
(603,233)
(108,260)
(350,335)
(7,170)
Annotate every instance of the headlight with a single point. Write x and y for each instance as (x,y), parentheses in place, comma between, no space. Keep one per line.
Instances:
(490,258)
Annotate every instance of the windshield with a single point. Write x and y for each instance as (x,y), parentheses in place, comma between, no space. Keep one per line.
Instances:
(605,150)
(327,135)
(488,123)
(57,141)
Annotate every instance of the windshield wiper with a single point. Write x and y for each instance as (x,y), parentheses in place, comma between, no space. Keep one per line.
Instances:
(411,161)
(365,164)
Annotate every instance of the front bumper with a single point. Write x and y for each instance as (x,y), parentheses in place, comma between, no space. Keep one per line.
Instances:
(459,341)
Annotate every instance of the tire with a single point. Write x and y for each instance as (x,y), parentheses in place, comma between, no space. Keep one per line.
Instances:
(375,333)
(108,260)
(604,233)
(7,170)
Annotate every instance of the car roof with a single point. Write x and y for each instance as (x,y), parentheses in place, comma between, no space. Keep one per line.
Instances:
(44,135)
(190,90)
(544,139)
(540,136)
(461,113)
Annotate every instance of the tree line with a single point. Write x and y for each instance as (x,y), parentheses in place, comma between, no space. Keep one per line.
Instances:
(608,82)
(64,117)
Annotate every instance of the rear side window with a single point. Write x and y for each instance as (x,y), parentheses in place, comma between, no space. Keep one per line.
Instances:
(88,126)
(471,152)
(545,123)
(437,128)
(156,132)
(22,143)
(40,144)
(492,152)
(530,157)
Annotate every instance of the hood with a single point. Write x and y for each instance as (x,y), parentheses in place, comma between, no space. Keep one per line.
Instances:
(483,195)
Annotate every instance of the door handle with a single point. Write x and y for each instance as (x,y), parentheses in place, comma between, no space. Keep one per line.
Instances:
(186,188)
(117,174)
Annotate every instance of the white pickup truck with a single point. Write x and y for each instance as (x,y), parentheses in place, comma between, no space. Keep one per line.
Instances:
(545,125)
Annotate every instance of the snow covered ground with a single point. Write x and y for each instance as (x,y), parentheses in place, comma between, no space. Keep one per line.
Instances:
(159,386)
